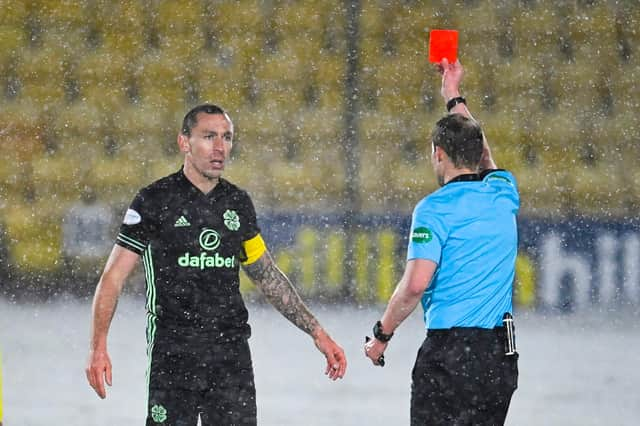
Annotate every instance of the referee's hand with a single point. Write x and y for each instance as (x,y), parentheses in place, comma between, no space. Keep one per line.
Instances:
(374,350)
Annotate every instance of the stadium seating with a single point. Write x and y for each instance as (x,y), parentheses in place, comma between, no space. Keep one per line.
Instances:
(93,94)
(34,236)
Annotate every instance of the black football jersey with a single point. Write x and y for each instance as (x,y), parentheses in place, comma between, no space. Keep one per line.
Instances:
(192,245)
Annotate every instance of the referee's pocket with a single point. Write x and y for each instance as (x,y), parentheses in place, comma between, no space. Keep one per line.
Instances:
(511,371)
(419,361)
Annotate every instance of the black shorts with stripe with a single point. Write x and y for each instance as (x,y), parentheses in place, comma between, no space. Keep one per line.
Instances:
(463,377)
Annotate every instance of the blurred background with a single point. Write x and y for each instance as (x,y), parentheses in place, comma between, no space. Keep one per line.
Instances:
(333,104)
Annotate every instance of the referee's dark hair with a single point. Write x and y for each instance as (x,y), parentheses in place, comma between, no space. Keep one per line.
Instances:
(191,118)
(461,138)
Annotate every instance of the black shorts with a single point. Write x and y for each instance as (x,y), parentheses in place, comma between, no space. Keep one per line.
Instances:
(214,382)
(463,377)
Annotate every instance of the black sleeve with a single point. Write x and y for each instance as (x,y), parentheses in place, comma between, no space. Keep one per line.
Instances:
(250,228)
(137,224)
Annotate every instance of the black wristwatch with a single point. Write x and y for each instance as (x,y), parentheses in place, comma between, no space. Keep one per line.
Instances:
(378,334)
(455,101)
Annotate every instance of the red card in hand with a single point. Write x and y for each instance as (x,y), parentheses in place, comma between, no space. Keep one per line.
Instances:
(443,44)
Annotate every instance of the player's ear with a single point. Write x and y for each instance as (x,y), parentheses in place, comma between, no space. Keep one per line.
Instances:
(183,143)
(439,154)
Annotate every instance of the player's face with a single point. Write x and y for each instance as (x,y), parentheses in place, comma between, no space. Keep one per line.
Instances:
(209,145)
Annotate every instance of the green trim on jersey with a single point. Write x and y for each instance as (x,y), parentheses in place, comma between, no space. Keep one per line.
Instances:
(150,278)
(147,260)
(131,242)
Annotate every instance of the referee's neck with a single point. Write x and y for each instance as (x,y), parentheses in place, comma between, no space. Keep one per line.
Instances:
(453,173)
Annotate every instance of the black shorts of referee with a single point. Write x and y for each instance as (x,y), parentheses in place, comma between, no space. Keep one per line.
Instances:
(213,381)
(463,377)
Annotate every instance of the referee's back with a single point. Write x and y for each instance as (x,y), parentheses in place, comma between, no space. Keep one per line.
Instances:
(474,243)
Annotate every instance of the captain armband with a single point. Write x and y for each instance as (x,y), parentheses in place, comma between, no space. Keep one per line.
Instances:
(253,248)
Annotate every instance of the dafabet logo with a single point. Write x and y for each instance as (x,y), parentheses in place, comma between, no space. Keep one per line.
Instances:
(209,241)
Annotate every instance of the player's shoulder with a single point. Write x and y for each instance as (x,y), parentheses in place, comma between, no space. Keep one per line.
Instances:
(498,176)
(162,185)
(233,191)
(432,203)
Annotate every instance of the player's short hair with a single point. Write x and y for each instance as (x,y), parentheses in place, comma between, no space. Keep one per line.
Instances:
(461,138)
(191,118)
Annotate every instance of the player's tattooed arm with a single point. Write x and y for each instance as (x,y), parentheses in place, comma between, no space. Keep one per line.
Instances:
(279,291)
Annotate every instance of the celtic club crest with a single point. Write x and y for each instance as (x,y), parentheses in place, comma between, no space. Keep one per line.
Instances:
(158,413)
(231,220)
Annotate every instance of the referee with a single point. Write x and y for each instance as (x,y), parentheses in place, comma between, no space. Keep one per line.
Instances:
(460,265)
(193,230)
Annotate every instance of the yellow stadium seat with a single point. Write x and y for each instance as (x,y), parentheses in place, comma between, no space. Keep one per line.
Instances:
(159,167)
(628,20)
(482,19)
(104,71)
(180,17)
(518,87)
(598,190)
(161,81)
(592,31)
(155,129)
(536,30)
(250,15)
(371,20)
(304,185)
(14,14)
(21,129)
(401,83)
(34,236)
(42,73)
(624,81)
(300,19)
(117,178)
(13,40)
(124,41)
(183,47)
(280,79)
(120,15)
(81,121)
(58,178)
(60,13)
(123,27)
(617,132)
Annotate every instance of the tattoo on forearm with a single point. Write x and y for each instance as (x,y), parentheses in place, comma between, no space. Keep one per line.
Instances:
(280,292)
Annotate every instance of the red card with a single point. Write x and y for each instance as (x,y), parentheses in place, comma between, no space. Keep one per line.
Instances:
(443,44)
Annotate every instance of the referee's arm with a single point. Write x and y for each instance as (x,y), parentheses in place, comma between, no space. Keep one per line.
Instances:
(451,78)
(415,280)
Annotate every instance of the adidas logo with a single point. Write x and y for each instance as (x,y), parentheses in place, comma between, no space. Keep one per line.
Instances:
(181,222)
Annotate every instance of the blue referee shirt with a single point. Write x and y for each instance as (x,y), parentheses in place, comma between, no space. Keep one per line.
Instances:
(468,228)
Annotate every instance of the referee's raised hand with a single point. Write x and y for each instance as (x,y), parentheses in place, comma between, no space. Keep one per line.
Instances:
(452,74)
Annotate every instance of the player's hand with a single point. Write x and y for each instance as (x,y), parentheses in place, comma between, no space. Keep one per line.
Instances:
(98,371)
(336,359)
(374,349)
(451,78)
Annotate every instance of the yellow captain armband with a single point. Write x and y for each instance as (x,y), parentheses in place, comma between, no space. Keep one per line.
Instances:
(253,248)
